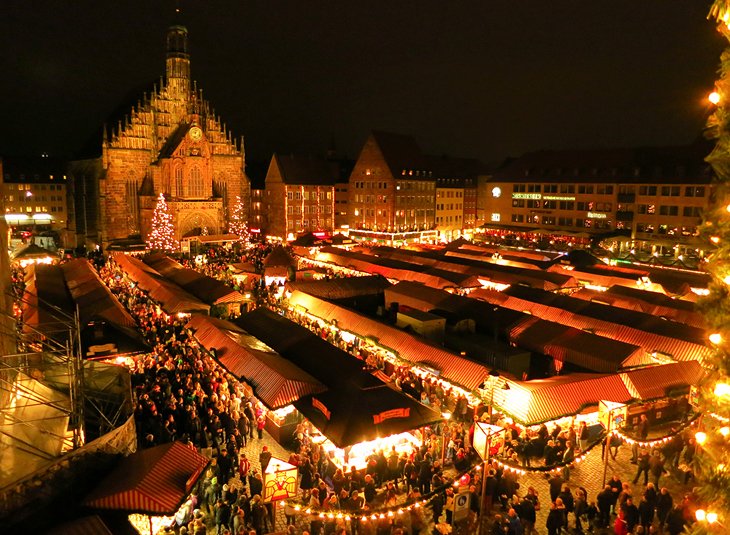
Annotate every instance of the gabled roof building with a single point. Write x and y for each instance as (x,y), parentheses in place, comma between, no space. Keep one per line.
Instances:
(171,142)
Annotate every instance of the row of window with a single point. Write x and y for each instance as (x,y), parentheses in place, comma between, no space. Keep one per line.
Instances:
(448,220)
(559,221)
(309,195)
(450,206)
(29,209)
(314,209)
(647,228)
(313,224)
(666,209)
(449,194)
(581,206)
(607,189)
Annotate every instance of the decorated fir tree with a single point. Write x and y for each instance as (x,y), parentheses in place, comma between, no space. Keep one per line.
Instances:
(162,235)
(237,224)
(712,458)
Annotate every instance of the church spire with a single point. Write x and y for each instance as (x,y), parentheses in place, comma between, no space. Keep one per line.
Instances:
(178,61)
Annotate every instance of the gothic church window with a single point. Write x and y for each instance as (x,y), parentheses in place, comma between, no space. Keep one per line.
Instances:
(196,187)
(179,181)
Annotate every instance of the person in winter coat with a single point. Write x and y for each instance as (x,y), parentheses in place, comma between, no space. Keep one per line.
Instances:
(555,520)
(620,527)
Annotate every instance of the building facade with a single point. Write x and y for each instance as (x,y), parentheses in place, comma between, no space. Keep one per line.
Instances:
(654,194)
(34,194)
(170,142)
(391,189)
(299,195)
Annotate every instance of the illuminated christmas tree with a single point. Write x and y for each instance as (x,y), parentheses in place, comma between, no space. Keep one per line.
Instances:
(712,461)
(162,236)
(237,225)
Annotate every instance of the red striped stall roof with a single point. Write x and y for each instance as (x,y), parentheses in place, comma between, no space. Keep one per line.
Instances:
(153,481)
(454,368)
(657,381)
(651,334)
(207,289)
(276,381)
(171,297)
(544,400)
(568,344)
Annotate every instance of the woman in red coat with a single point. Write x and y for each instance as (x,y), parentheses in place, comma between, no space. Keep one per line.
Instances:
(620,527)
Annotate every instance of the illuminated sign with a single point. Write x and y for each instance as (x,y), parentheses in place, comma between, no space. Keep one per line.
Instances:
(496,217)
(393,413)
(596,215)
(317,404)
(496,192)
(533,196)
(557,198)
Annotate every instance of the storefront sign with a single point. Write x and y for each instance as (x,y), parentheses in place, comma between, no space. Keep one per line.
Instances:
(596,215)
(557,198)
(317,404)
(533,196)
(393,413)
(461,504)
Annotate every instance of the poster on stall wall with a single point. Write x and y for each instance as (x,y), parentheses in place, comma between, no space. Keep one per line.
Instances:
(608,408)
(482,433)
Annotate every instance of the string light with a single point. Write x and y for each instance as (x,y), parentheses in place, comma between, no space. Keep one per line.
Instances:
(553,469)
(656,441)
(711,518)
(701,437)
(714,97)
(715,239)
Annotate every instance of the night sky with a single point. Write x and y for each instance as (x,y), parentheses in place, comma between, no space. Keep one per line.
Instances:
(480,78)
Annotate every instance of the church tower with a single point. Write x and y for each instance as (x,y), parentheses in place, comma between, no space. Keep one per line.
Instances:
(170,142)
(178,62)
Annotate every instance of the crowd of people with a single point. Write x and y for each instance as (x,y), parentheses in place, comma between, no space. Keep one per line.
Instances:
(182,393)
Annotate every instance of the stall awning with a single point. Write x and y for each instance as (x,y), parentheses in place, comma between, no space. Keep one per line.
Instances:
(452,367)
(660,381)
(574,346)
(276,381)
(209,290)
(154,481)
(544,400)
(332,366)
(342,288)
(397,269)
(680,342)
(350,416)
(55,293)
(171,297)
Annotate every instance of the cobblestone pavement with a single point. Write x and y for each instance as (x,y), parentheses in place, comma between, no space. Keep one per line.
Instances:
(587,474)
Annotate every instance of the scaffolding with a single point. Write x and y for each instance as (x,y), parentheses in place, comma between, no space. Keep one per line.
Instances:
(42,390)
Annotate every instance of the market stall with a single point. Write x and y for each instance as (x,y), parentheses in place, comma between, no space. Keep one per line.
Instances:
(352,424)
(150,485)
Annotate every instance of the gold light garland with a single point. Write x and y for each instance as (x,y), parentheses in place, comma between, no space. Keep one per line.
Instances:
(656,441)
(552,469)
(379,514)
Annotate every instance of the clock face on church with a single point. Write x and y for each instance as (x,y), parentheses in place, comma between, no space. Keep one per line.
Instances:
(196,134)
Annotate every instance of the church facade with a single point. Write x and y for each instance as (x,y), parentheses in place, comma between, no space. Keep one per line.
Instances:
(170,142)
